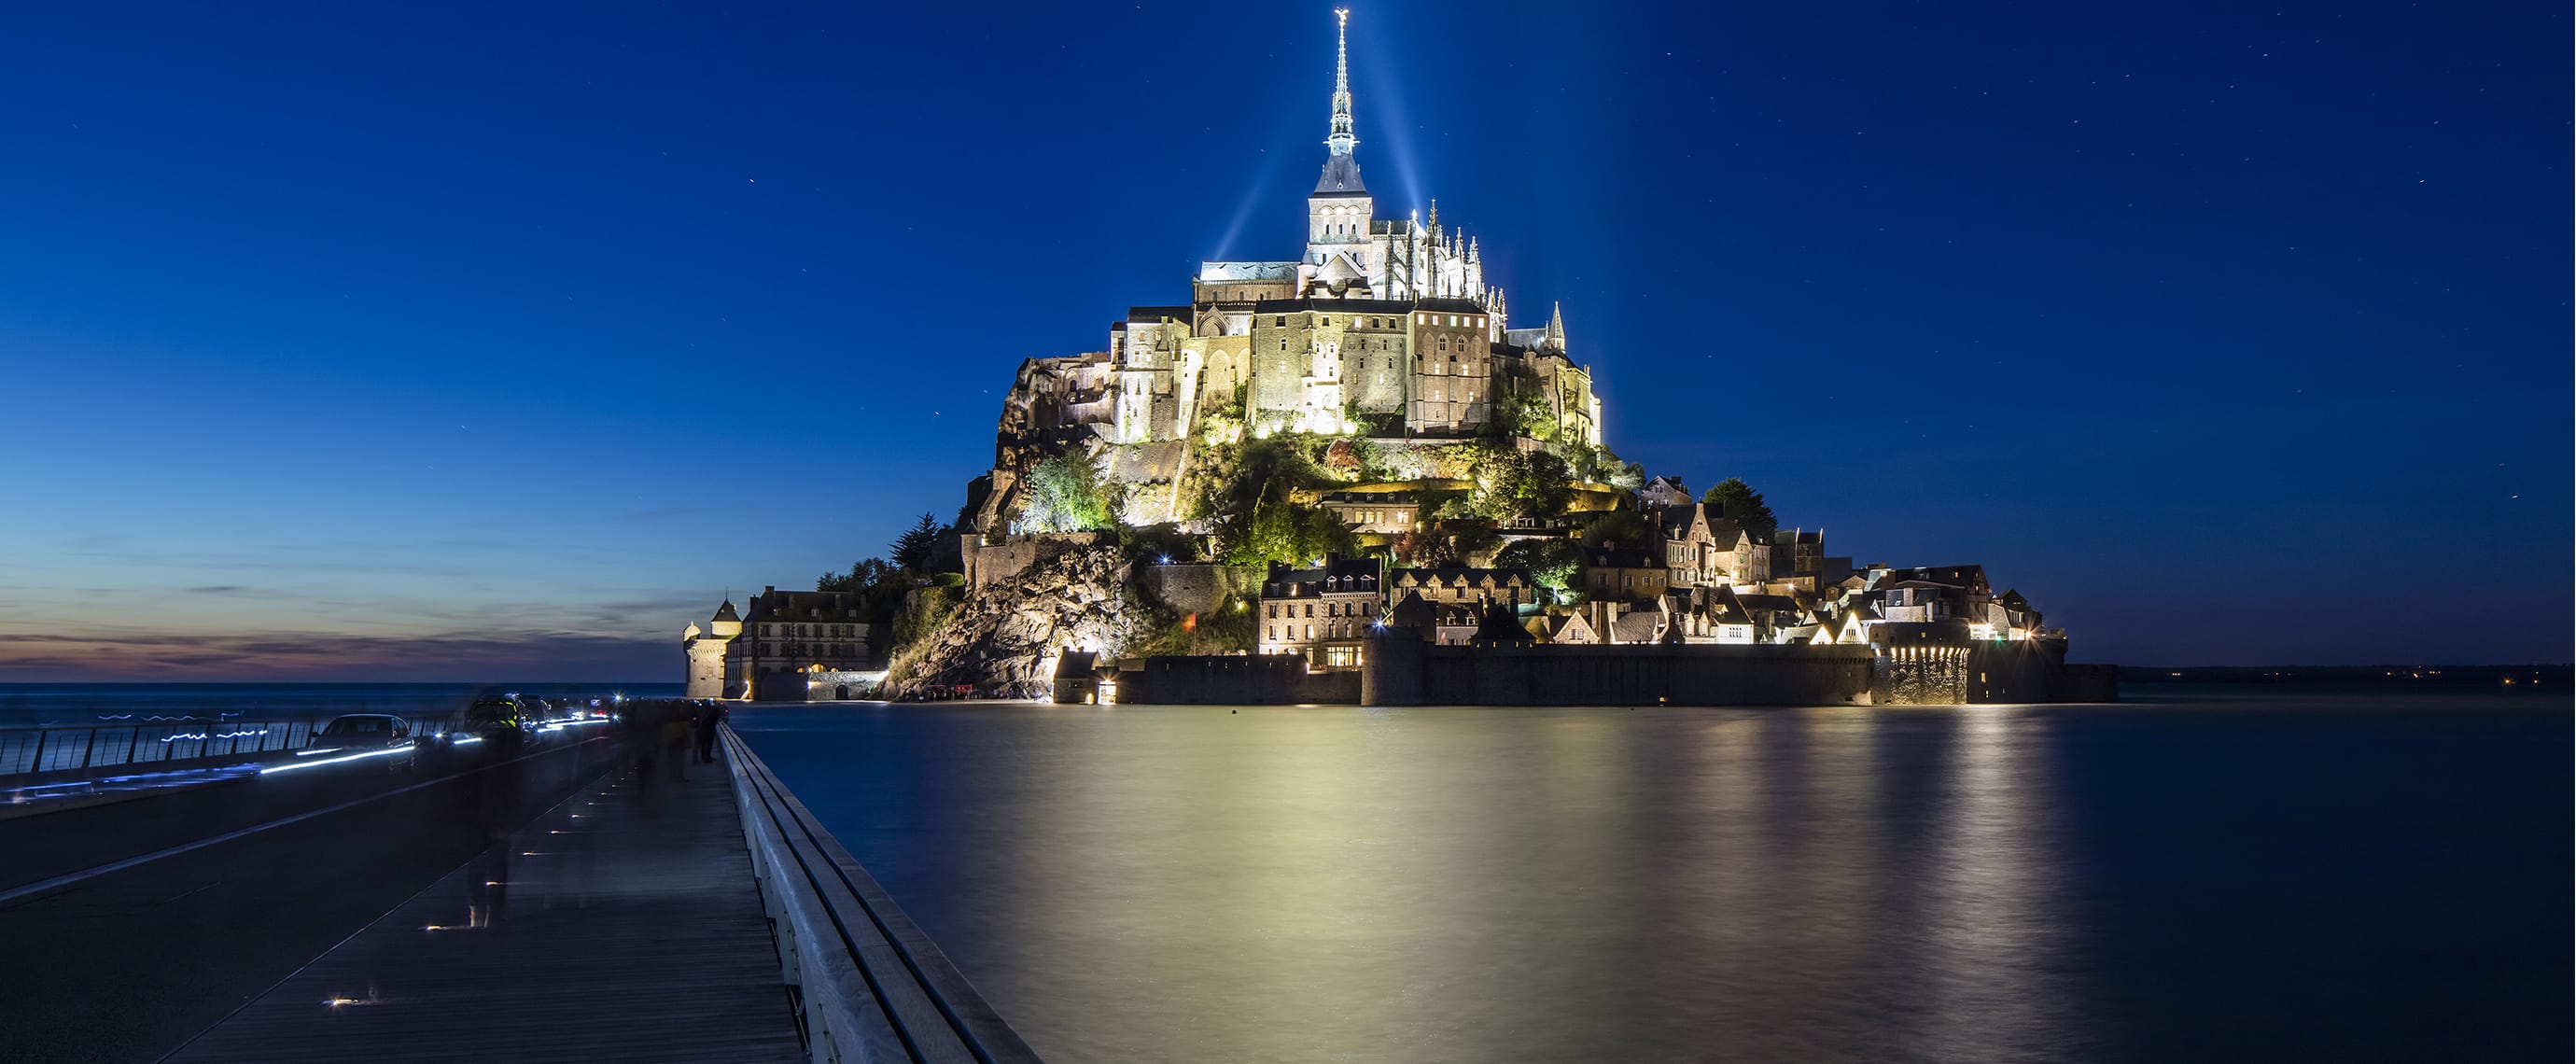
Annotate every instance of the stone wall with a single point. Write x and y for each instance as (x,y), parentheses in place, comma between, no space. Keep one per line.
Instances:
(1920,676)
(1254,680)
(2035,671)
(991,559)
(1198,588)
(1405,671)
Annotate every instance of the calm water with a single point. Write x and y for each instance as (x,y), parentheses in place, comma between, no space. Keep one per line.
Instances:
(2237,876)
(72,704)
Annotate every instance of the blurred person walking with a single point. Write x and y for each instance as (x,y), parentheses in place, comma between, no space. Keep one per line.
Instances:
(710,717)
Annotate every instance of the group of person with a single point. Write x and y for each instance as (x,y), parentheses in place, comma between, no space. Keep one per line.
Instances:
(673,732)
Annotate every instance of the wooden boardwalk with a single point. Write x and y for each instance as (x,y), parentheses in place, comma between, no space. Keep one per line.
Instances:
(622,925)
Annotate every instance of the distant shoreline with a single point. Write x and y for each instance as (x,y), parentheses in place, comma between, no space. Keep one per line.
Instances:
(2382,675)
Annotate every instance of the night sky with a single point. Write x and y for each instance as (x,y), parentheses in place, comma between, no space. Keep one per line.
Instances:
(376,341)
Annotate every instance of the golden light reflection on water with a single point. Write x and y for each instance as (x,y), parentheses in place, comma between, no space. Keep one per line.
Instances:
(1473,885)
(1992,931)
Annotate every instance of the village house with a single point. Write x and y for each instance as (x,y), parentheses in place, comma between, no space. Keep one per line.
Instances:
(1321,613)
(1381,512)
(1508,587)
(1622,574)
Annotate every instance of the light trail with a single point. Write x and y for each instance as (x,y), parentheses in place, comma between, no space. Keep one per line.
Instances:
(47,886)
(273,769)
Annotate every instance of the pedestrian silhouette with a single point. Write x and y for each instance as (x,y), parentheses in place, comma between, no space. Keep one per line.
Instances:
(709,717)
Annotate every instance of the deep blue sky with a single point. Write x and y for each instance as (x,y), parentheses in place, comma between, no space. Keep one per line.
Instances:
(498,341)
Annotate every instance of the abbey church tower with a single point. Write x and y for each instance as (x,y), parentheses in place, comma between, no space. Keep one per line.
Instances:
(1338,248)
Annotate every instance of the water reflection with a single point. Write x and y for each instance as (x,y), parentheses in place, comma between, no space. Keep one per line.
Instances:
(1467,885)
(1993,929)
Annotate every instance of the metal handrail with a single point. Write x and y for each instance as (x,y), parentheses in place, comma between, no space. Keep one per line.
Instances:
(873,986)
(31,750)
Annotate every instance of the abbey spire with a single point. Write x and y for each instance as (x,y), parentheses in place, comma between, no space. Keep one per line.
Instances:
(1341,254)
(1341,139)
(1341,171)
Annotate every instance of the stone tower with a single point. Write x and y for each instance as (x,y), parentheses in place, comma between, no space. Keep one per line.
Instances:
(706,652)
(1339,211)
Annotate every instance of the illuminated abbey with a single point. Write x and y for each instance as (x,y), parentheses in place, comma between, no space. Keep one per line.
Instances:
(1384,328)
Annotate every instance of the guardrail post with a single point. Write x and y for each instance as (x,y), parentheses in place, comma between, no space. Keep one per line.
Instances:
(90,750)
(37,763)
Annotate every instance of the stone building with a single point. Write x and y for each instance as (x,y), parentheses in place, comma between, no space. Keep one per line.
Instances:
(1384,326)
(1616,573)
(1321,613)
(1449,624)
(1448,584)
(799,646)
(706,652)
(1377,512)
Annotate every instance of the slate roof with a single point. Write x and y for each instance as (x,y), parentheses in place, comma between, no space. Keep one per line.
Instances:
(1247,271)
(1341,177)
(1972,577)
(1637,626)
(1337,576)
(1724,608)
(1501,625)
(1449,305)
(787,606)
(1339,306)
(1411,611)
(1771,603)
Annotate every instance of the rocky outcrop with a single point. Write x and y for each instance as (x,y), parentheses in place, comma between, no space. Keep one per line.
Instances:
(1004,636)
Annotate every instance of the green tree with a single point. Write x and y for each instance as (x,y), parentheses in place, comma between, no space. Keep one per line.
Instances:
(1423,548)
(1289,532)
(1621,529)
(866,576)
(1547,485)
(1526,414)
(1476,539)
(1261,471)
(913,549)
(1551,563)
(1066,495)
(1737,500)
(1512,484)
(923,612)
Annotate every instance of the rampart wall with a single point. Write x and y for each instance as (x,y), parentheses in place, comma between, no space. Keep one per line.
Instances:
(1251,680)
(1404,671)
(1198,588)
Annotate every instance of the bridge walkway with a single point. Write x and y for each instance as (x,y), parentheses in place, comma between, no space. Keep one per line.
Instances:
(624,924)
